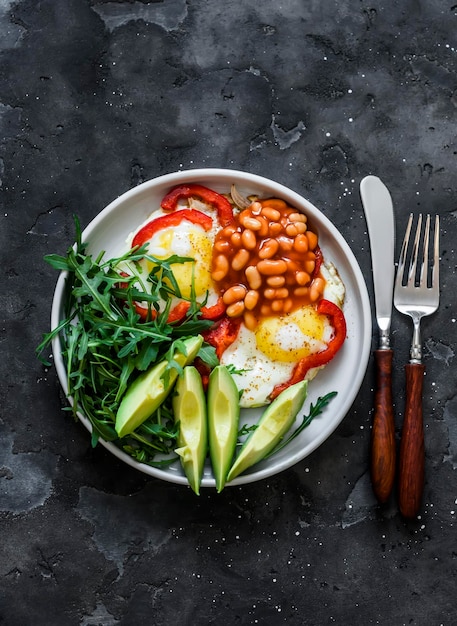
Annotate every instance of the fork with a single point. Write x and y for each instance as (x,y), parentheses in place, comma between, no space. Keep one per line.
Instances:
(416,294)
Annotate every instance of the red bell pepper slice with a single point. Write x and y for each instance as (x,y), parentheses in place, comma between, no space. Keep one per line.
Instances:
(222,335)
(325,307)
(182,192)
(178,313)
(170,220)
(214,312)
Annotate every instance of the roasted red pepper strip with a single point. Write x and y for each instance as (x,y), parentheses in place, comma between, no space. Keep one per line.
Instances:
(207,312)
(179,312)
(222,335)
(325,307)
(213,312)
(182,192)
(167,221)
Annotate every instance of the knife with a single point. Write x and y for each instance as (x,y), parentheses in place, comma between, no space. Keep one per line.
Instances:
(379,214)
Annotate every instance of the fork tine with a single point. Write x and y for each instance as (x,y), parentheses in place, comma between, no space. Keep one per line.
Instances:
(424,268)
(436,255)
(415,252)
(403,252)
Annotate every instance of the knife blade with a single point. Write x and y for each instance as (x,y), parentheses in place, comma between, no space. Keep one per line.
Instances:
(379,214)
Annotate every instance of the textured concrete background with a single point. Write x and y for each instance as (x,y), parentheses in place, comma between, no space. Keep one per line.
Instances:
(96,97)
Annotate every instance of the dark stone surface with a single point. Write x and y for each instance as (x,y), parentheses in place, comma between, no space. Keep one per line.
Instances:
(96,97)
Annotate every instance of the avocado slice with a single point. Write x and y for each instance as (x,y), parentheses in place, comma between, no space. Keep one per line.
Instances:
(189,408)
(223,420)
(148,391)
(273,425)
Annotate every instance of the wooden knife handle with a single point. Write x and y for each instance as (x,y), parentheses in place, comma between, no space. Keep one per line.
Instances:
(383,432)
(412,451)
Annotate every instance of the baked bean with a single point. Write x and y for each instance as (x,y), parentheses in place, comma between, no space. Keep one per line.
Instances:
(256,207)
(276,281)
(277,306)
(252,223)
(271,214)
(264,226)
(285,243)
(300,292)
(316,289)
(282,293)
(250,320)
(291,231)
(297,217)
(271,267)
(265,310)
(312,239)
(233,294)
(301,243)
(288,304)
(253,277)
(220,267)
(309,266)
(268,248)
(222,245)
(228,231)
(274,228)
(301,227)
(251,299)
(248,239)
(240,259)
(310,262)
(236,239)
(279,294)
(302,278)
(236,309)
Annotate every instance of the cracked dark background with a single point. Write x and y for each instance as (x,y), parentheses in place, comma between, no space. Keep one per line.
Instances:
(97,97)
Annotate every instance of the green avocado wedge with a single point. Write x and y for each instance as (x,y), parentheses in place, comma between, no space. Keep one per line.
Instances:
(189,408)
(148,391)
(273,425)
(223,422)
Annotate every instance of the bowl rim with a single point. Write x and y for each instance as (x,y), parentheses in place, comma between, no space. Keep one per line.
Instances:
(196,175)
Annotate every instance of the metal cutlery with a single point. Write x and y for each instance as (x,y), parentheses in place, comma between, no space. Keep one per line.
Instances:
(377,204)
(416,294)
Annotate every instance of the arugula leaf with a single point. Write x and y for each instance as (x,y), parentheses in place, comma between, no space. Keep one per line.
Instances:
(105,345)
(314,411)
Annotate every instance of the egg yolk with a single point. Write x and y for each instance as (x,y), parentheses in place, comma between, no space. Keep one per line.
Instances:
(189,242)
(292,337)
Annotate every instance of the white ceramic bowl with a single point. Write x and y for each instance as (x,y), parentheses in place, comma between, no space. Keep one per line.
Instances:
(344,373)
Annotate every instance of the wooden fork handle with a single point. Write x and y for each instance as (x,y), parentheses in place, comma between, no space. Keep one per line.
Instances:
(383,431)
(412,451)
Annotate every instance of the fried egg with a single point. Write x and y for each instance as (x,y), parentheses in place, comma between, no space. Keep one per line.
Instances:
(186,239)
(266,356)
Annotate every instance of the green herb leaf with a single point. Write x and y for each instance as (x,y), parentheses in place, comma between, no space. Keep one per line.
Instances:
(314,411)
